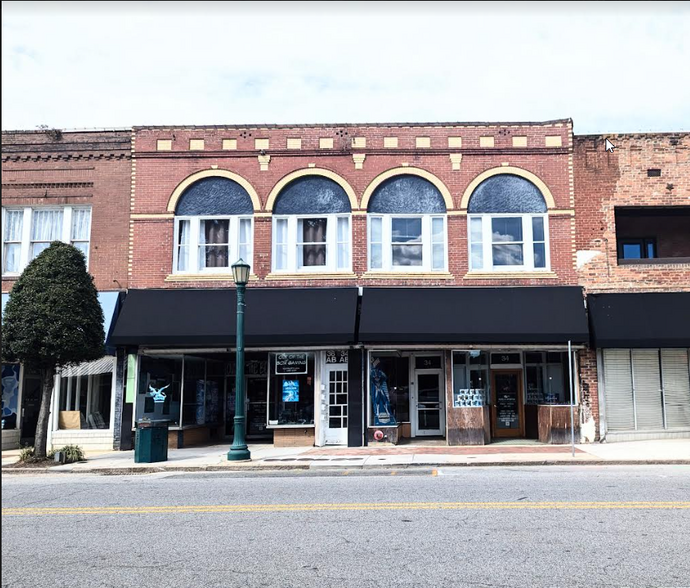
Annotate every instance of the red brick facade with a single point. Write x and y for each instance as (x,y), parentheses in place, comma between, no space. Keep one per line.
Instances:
(158,173)
(55,168)
(605,180)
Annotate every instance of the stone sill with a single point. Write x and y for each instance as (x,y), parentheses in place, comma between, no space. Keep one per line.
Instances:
(205,277)
(655,262)
(311,276)
(509,275)
(372,275)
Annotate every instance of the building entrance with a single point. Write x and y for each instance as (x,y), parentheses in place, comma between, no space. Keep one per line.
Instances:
(507,406)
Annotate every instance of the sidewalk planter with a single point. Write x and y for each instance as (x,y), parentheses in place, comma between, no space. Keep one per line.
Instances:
(151,442)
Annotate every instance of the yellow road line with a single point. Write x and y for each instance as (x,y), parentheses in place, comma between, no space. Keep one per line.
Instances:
(256,508)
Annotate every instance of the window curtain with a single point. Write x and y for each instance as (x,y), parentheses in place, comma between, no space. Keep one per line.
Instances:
(13,236)
(46,226)
(214,239)
(314,231)
(183,246)
(81,224)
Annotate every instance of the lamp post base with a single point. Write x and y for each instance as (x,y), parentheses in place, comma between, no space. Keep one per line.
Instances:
(239,454)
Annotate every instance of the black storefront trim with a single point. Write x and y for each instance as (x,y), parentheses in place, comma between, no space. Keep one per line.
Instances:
(648,319)
(204,317)
(525,315)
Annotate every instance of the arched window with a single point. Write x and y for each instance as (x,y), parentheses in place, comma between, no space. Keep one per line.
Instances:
(508,225)
(311,227)
(407,226)
(213,226)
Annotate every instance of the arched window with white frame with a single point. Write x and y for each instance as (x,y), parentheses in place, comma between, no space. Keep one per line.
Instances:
(213,227)
(407,226)
(508,226)
(312,229)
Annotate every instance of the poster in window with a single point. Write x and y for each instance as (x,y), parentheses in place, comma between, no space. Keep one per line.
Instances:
(291,363)
(291,391)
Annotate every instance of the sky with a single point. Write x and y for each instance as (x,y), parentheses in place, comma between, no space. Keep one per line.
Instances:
(611,67)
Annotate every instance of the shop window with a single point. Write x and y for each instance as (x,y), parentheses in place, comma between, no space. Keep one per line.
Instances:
(407,226)
(389,389)
(160,388)
(202,391)
(311,227)
(470,379)
(213,227)
(26,232)
(10,394)
(291,389)
(84,401)
(546,378)
(508,226)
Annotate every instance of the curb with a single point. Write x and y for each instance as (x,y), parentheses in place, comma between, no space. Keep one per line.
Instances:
(129,471)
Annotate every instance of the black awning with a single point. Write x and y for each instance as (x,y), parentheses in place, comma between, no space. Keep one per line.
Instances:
(540,315)
(651,319)
(273,317)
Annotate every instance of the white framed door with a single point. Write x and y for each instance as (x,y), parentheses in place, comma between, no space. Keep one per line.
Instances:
(428,406)
(334,404)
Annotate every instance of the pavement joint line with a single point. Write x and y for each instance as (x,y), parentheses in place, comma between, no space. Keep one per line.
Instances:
(256,508)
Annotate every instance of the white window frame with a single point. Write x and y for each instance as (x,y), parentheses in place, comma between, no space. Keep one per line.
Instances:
(387,244)
(194,245)
(292,265)
(25,246)
(527,243)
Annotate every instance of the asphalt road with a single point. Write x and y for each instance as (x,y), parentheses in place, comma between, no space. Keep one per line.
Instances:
(526,526)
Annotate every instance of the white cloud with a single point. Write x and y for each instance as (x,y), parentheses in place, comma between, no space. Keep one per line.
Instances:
(84,65)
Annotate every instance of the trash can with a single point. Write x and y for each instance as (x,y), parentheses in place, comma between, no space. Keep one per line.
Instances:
(151,441)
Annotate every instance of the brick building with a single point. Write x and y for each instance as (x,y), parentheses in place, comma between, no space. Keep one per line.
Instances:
(407,281)
(73,187)
(633,255)
(400,273)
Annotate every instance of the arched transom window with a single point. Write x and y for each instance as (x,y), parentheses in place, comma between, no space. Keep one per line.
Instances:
(311,227)
(508,225)
(407,226)
(213,226)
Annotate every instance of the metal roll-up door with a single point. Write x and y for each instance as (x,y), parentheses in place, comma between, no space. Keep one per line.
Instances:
(647,388)
(620,410)
(674,364)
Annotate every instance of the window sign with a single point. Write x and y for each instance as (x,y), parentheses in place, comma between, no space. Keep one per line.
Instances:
(427,363)
(505,358)
(468,397)
(158,394)
(291,391)
(291,363)
(336,356)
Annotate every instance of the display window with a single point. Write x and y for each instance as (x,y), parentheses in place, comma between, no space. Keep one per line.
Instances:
(291,389)
(389,389)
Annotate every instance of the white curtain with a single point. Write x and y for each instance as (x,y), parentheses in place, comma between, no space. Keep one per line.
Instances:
(13,237)
(183,246)
(81,223)
(246,239)
(46,226)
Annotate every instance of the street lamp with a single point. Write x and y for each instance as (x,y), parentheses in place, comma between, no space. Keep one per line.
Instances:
(238,450)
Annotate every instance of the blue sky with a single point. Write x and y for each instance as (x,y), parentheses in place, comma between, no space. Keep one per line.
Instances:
(611,67)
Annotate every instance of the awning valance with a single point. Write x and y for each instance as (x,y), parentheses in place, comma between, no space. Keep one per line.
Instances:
(526,315)
(646,319)
(205,317)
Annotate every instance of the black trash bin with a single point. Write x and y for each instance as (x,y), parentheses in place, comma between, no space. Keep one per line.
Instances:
(151,441)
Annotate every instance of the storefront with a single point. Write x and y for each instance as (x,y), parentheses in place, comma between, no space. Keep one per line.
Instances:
(643,360)
(299,346)
(471,365)
(82,410)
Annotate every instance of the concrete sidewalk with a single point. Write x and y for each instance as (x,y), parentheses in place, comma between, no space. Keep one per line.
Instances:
(267,457)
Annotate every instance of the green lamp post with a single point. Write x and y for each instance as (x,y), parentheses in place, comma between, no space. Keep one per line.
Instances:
(238,450)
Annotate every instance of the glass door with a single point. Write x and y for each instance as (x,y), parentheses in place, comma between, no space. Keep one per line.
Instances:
(507,407)
(334,410)
(430,415)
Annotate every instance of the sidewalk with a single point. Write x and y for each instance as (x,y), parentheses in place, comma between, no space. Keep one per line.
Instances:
(266,457)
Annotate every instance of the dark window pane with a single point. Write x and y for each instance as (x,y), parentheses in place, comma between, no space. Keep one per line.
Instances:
(429,419)
(407,255)
(539,255)
(427,363)
(406,230)
(507,193)
(507,254)
(632,251)
(407,194)
(506,229)
(538,228)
